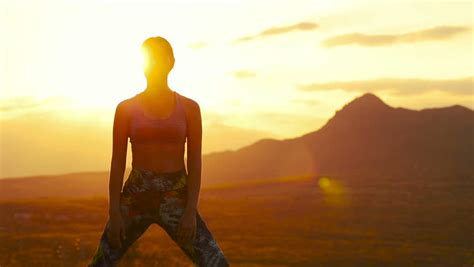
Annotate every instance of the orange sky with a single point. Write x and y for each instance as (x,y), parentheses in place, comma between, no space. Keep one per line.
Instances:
(258,69)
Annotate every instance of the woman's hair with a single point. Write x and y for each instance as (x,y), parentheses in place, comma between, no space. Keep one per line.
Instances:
(158,47)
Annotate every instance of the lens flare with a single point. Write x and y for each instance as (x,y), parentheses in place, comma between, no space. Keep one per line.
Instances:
(334,192)
(324,183)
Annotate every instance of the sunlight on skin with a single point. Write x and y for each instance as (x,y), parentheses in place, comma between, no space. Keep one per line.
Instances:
(334,191)
(145,59)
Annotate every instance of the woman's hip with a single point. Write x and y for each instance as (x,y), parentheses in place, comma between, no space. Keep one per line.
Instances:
(140,180)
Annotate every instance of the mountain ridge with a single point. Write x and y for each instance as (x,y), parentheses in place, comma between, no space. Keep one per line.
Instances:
(366,138)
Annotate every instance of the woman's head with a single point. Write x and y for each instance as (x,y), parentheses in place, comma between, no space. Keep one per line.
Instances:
(158,56)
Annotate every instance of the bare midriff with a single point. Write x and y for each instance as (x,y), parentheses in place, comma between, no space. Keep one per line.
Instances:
(157,157)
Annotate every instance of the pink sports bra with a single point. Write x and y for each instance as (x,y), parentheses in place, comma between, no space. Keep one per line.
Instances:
(170,131)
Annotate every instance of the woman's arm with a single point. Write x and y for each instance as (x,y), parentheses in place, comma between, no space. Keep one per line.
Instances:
(119,157)
(194,140)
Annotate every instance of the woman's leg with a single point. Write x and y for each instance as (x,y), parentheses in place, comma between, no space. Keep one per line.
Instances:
(105,255)
(135,204)
(203,250)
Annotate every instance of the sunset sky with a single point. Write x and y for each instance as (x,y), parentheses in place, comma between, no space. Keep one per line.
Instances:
(258,69)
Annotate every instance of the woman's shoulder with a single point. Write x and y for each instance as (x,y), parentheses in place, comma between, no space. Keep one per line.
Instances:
(188,103)
(129,104)
(190,106)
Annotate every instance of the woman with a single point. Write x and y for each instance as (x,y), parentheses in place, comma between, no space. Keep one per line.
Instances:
(158,190)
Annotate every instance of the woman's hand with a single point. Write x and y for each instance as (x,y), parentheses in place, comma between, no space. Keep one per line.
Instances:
(116,230)
(187,227)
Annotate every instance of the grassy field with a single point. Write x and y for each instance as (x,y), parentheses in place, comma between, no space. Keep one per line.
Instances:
(294,221)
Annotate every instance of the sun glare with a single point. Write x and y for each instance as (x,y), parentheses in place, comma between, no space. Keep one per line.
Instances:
(334,192)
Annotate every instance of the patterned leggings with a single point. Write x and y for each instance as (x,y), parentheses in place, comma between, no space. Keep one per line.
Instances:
(151,197)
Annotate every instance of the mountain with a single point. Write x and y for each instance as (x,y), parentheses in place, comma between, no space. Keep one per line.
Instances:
(366,138)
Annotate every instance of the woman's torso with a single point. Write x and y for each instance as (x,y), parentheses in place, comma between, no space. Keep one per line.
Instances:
(157,141)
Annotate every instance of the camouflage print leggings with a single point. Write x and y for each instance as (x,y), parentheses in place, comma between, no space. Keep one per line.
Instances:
(150,197)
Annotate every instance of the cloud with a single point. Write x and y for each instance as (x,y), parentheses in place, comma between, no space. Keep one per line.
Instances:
(305,101)
(302,26)
(437,33)
(399,86)
(198,45)
(21,103)
(289,124)
(244,74)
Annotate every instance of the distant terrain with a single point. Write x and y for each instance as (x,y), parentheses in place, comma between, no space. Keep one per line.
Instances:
(366,137)
(375,186)
(298,221)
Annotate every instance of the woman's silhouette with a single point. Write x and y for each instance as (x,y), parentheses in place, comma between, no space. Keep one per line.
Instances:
(159,121)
